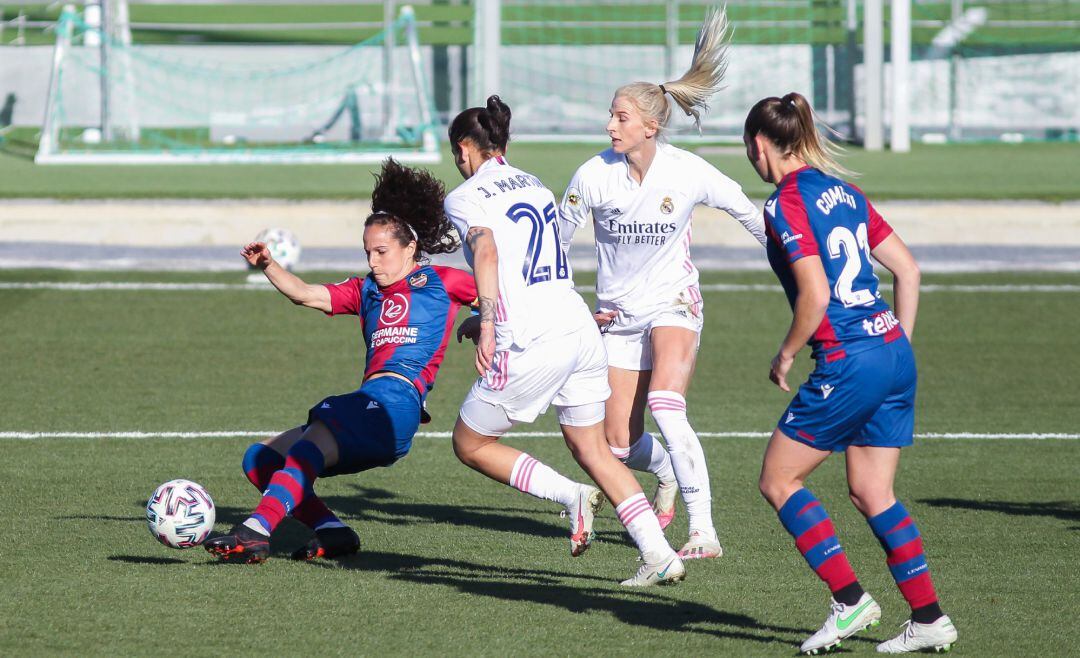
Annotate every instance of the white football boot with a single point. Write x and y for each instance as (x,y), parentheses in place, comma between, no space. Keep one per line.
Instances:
(663,571)
(582,511)
(701,545)
(663,502)
(843,621)
(938,635)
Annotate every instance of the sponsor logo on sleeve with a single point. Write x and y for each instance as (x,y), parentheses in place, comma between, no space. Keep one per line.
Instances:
(826,389)
(787,237)
(573,198)
(770,207)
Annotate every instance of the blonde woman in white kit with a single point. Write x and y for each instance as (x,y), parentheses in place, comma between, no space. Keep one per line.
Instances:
(640,194)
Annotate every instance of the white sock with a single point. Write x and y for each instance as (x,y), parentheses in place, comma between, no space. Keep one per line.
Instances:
(540,480)
(257,527)
(637,515)
(620,453)
(648,454)
(687,458)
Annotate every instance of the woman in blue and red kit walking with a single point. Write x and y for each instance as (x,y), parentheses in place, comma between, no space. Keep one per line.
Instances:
(407,310)
(860,399)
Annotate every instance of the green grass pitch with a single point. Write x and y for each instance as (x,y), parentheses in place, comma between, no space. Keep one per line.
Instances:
(967,171)
(455,564)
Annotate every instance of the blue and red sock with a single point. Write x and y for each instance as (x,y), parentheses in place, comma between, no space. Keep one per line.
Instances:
(907,562)
(289,486)
(809,523)
(260,464)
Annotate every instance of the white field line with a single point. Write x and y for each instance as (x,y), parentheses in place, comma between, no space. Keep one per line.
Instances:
(445,435)
(708,287)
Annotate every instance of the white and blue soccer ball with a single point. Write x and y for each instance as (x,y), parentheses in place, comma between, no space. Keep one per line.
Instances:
(180,514)
(283,246)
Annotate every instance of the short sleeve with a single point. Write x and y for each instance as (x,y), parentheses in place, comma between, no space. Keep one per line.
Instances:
(466,213)
(785,214)
(345,297)
(878,228)
(459,284)
(576,204)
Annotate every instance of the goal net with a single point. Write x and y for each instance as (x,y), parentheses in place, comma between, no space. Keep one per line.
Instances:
(114,102)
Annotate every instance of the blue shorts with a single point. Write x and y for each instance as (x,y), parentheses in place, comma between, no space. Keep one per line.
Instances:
(864,399)
(374,426)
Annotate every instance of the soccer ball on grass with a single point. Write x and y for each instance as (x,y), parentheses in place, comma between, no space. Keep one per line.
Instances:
(180,514)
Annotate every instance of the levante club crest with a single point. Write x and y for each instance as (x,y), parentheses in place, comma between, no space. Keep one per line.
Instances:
(418,280)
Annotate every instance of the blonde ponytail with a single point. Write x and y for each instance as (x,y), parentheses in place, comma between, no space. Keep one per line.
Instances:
(705,76)
(692,91)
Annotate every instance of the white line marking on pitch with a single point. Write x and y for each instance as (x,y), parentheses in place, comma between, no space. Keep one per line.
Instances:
(129,286)
(446,435)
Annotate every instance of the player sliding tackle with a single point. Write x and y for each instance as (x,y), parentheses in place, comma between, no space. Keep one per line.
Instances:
(537,345)
(406,309)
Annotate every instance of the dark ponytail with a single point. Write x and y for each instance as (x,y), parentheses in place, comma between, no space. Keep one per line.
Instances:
(410,201)
(790,125)
(486,127)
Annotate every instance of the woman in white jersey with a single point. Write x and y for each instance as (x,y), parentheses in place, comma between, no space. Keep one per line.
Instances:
(640,194)
(537,345)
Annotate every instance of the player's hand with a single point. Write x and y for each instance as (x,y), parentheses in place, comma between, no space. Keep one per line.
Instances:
(257,255)
(604,318)
(485,348)
(778,372)
(469,328)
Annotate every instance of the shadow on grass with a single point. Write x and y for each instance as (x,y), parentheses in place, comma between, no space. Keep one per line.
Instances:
(380,506)
(142,559)
(635,607)
(1058,509)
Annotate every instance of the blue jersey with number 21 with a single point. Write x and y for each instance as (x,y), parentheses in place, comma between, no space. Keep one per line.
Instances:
(814,214)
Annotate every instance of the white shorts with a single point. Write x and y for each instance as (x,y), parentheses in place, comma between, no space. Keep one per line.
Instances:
(565,371)
(628,339)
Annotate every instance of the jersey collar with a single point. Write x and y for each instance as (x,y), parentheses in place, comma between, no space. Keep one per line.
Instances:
(396,286)
(497,161)
(792,174)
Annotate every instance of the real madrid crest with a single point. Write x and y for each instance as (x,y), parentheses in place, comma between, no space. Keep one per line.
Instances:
(418,280)
(666,206)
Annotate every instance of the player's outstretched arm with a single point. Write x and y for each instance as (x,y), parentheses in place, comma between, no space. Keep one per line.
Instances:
(897,258)
(810,306)
(486,271)
(313,296)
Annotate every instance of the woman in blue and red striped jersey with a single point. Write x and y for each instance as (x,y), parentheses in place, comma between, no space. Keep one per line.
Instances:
(407,309)
(822,233)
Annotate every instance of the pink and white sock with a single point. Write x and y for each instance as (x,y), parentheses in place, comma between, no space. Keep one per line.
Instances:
(668,409)
(637,515)
(649,455)
(540,480)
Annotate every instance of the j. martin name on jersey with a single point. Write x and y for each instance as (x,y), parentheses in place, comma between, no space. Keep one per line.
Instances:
(655,233)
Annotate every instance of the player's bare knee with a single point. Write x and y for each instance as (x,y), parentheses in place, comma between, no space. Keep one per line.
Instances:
(871,500)
(618,434)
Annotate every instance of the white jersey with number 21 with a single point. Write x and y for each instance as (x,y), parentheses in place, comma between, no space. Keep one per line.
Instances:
(536,291)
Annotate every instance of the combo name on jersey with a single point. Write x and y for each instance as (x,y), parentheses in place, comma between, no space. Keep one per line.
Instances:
(655,233)
(516,182)
(880,324)
(394,336)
